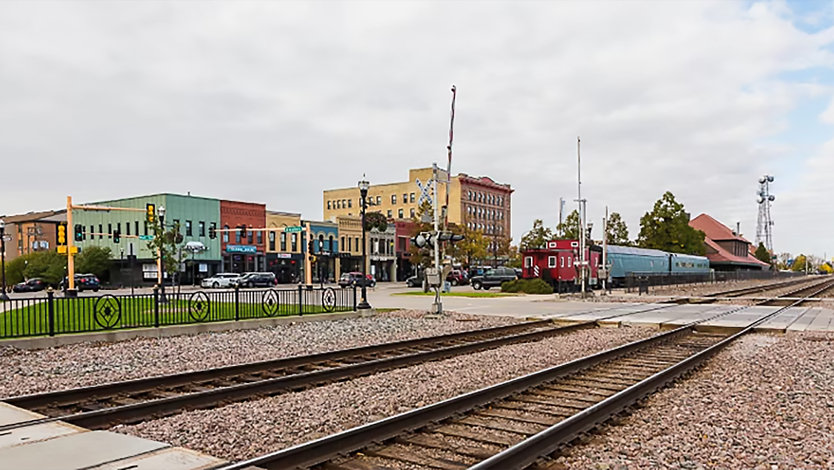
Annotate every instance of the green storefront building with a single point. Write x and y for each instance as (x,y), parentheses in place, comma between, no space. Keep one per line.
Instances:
(196,216)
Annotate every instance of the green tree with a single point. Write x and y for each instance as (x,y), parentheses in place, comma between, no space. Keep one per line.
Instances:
(762,254)
(167,243)
(472,247)
(47,265)
(95,260)
(375,220)
(14,270)
(667,228)
(569,229)
(616,230)
(799,263)
(537,237)
(514,257)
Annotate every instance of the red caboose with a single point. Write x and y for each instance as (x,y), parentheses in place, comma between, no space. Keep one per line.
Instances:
(558,264)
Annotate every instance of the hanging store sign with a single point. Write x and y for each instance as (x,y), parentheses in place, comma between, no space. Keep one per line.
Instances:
(241,249)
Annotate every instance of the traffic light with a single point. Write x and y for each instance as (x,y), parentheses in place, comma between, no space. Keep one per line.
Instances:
(242,229)
(117,236)
(62,234)
(423,239)
(310,247)
(212,232)
(150,213)
(449,237)
(79,232)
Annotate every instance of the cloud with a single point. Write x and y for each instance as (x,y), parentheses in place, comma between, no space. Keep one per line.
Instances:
(273,102)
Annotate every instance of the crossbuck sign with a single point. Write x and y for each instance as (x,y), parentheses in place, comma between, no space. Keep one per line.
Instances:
(425,191)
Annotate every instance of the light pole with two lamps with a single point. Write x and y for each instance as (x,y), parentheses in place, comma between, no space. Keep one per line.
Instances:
(363,193)
(3,296)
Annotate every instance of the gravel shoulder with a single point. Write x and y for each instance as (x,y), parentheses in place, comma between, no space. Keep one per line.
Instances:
(764,403)
(85,364)
(245,430)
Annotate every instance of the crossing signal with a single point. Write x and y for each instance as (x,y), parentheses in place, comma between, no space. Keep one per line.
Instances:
(62,234)
(117,236)
(150,212)
(79,232)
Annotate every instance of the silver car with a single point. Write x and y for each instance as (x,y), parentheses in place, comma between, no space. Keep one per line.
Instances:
(220,280)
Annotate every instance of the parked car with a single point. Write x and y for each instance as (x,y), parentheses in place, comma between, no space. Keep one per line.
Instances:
(83,282)
(457,277)
(256,280)
(220,280)
(355,279)
(35,284)
(493,278)
(414,281)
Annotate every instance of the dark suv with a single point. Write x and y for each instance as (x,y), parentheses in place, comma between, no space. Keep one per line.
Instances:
(257,280)
(83,282)
(493,278)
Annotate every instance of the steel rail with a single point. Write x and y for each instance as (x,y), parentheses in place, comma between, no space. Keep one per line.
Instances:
(106,417)
(326,448)
(550,440)
(751,290)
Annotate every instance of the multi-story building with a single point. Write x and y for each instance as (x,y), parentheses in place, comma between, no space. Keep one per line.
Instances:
(381,254)
(194,215)
(284,255)
(480,203)
(247,253)
(350,244)
(325,244)
(32,232)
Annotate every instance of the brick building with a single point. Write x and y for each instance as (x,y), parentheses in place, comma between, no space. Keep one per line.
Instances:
(242,254)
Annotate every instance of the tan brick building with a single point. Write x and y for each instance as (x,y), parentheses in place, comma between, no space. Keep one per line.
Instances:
(479,202)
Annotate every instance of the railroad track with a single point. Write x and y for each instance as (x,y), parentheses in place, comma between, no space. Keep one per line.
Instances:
(132,401)
(758,289)
(519,423)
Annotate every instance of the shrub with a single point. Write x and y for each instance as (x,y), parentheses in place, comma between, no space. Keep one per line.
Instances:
(527,286)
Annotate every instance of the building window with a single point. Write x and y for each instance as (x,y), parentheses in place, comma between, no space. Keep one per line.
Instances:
(260,238)
(400,213)
(283,241)
(390,213)
(110,229)
(412,212)
(294,242)
(411,197)
(393,199)
(379,200)
(348,243)
(127,228)
(338,203)
(188,231)
(330,245)
(237,236)
(350,203)
(250,235)
(551,261)
(146,228)
(405,198)
(271,241)
(343,243)
(356,243)
(201,226)
(119,227)
(92,230)
(528,261)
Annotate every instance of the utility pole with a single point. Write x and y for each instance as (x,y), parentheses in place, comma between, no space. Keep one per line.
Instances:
(449,161)
(561,213)
(581,203)
(605,250)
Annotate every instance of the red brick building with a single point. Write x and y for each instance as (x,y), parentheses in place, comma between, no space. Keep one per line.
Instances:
(243,254)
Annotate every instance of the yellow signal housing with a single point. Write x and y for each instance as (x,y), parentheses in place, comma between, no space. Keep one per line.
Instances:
(62,234)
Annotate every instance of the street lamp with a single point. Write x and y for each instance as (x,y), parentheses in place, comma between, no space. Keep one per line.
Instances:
(3,295)
(159,275)
(363,193)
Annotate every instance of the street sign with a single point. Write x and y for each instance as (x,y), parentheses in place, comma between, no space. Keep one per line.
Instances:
(294,229)
(146,237)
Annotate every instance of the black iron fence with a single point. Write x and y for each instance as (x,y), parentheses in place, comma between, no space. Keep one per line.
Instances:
(52,315)
(641,282)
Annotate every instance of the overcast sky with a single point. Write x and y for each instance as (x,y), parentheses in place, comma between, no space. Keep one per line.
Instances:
(274,101)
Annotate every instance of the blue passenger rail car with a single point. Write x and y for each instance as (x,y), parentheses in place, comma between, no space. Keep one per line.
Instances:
(627,260)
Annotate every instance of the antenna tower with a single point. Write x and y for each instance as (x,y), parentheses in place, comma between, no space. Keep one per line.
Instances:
(764,231)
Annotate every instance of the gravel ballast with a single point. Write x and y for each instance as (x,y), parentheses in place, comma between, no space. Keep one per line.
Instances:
(247,429)
(85,364)
(764,403)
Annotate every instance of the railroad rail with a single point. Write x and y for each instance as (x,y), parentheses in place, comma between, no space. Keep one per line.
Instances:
(517,423)
(132,401)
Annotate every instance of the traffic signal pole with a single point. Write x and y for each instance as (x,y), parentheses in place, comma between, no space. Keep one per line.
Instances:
(70,254)
(438,304)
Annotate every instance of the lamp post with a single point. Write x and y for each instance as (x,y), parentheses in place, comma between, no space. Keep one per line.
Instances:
(3,296)
(363,193)
(159,275)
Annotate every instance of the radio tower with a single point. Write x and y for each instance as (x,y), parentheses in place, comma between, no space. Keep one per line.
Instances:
(763,228)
